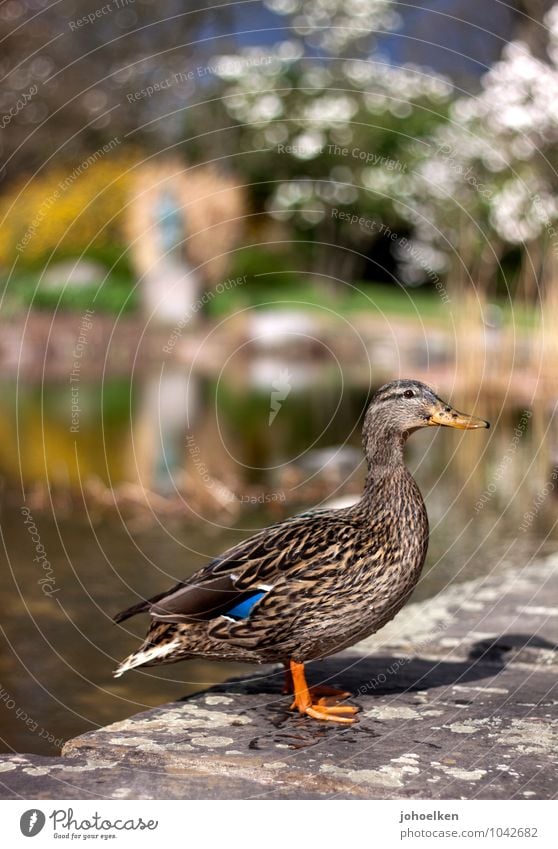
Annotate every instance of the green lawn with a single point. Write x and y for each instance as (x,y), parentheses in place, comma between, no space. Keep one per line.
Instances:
(376,297)
(415,303)
(115,294)
(111,295)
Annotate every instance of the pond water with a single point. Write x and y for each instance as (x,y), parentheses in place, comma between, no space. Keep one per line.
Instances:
(262,430)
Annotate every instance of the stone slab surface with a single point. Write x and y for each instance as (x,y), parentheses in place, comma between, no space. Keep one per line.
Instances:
(458,700)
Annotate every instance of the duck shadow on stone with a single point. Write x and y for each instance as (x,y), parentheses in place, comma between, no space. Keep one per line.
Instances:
(376,675)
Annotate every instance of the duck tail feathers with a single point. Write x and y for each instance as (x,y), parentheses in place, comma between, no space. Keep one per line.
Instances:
(147,655)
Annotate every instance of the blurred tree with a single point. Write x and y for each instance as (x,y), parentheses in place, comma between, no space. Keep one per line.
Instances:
(86,68)
(529,26)
(489,180)
(325,139)
(94,64)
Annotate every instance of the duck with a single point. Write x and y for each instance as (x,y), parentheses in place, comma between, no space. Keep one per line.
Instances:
(316,583)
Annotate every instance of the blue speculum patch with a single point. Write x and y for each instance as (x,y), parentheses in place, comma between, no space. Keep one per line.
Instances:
(243,609)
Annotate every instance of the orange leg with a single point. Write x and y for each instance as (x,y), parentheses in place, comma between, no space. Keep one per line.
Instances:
(320,709)
(321,693)
(288,686)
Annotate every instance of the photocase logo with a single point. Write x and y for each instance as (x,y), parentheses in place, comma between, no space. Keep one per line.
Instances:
(280,391)
(32,822)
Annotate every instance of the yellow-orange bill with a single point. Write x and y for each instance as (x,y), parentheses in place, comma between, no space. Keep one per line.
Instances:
(448,417)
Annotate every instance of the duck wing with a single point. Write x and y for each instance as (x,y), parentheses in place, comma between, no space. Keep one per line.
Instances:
(233,582)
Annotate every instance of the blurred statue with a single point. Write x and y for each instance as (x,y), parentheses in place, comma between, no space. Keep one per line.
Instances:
(168,220)
(170,285)
(182,224)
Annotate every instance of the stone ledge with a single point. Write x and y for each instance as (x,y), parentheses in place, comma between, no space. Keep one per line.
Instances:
(458,700)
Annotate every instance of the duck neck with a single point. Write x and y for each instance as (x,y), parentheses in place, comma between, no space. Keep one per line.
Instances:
(383,451)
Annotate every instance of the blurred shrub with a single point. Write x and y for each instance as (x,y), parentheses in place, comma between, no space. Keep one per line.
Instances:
(68,212)
(113,295)
(265,265)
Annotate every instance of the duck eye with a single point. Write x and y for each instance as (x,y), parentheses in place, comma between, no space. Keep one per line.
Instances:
(408,393)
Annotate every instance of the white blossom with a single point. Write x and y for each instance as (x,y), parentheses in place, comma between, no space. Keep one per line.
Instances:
(495,160)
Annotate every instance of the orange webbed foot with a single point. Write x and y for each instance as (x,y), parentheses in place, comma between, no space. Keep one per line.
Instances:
(320,702)
(324,695)
(332,714)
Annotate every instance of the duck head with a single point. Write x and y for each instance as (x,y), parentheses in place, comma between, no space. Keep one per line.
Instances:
(403,406)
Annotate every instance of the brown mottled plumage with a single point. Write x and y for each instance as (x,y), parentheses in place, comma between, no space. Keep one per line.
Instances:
(322,580)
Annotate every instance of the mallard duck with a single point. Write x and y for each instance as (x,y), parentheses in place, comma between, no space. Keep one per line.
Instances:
(316,583)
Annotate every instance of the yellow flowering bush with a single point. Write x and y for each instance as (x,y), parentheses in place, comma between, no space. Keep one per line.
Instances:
(70,209)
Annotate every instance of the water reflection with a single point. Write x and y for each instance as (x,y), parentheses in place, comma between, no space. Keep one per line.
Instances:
(169,402)
(214,444)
